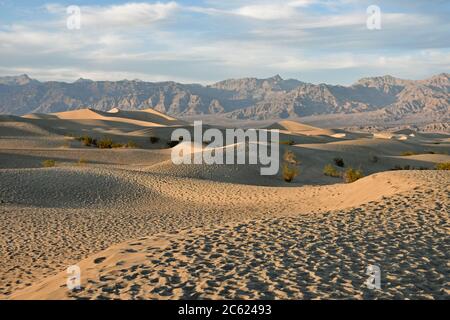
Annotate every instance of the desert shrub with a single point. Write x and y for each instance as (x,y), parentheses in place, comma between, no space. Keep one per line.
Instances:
(408,153)
(88,141)
(443,166)
(154,140)
(289,168)
(331,171)
(116,145)
(172,144)
(289,172)
(351,175)
(105,143)
(405,167)
(290,158)
(48,163)
(131,144)
(339,162)
(288,142)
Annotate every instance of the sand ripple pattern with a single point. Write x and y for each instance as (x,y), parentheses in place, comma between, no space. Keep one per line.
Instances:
(307,256)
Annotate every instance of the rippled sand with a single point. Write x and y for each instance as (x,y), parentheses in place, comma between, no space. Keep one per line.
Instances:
(313,255)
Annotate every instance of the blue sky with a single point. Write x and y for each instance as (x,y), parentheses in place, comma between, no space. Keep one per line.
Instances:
(211,40)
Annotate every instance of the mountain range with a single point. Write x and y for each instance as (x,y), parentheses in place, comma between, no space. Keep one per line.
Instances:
(385,98)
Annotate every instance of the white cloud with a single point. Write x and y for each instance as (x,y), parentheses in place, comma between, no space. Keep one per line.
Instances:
(266,12)
(20,39)
(271,10)
(247,38)
(130,14)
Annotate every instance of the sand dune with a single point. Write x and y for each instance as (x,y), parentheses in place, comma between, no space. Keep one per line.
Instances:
(297,257)
(57,130)
(390,135)
(294,127)
(147,117)
(214,231)
(20,129)
(297,127)
(94,221)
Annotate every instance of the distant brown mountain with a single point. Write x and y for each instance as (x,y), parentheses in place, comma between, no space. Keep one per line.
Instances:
(385,98)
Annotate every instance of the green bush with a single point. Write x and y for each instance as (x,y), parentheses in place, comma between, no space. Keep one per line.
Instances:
(48,163)
(351,175)
(331,171)
(339,162)
(443,166)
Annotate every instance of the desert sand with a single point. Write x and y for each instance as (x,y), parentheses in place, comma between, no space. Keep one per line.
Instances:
(141,227)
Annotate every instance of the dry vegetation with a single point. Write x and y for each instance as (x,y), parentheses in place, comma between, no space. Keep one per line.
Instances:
(351,175)
(408,153)
(289,168)
(289,172)
(287,142)
(48,163)
(105,143)
(331,171)
(443,166)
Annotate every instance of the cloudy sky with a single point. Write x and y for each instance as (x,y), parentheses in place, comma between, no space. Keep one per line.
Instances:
(205,41)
